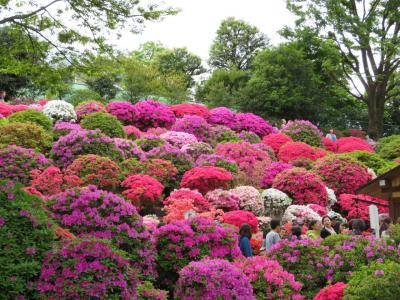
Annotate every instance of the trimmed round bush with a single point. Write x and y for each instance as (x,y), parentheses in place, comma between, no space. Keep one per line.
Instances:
(222,116)
(389,147)
(271,171)
(178,139)
(148,143)
(303,131)
(276,141)
(195,125)
(63,128)
(197,149)
(290,152)
(92,212)
(238,217)
(342,174)
(213,279)
(87,269)
(332,291)
(216,160)
(132,132)
(5,109)
(16,163)
(183,109)
(302,186)
(128,149)
(76,143)
(252,123)
(221,134)
(198,199)
(205,179)
(225,200)
(25,235)
(26,135)
(32,116)
(350,144)
(275,202)
(330,145)
(124,111)
(151,113)
(249,137)
(59,110)
(88,107)
(108,124)
(249,199)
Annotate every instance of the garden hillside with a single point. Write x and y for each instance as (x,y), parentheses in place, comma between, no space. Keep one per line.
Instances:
(145,200)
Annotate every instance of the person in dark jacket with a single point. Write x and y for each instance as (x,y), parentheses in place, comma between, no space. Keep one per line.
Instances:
(244,240)
(327,230)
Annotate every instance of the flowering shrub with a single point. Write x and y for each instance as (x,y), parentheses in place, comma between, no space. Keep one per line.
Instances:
(123,111)
(76,143)
(141,189)
(151,113)
(150,142)
(5,109)
(59,110)
(108,124)
(132,132)
(378,281)
(331,292)
(221,134)
(341,174)
(183,109)
(318,209)
(303,131)
(147,291)
(389,147)
(26,135)
(297,150)
(276,141)
(300,213)
(155,131)
(225,200)
(302,186)
(253,123)
(88,107)
(97,170)
(249,137)
(249,199)
(198,200)
(269,279)
(330,145)
(17,162)
(350,144)
(195,125)
(216,160)
(275,201)
(222,116)
(100,214)
(354,209)
(128,149)
(178,139)
(19,107)
(35,106)
(92,268)
(238,217)
(63,128)
(197,149)
(32,116)
(213,279)
(25,235)
(205,179)
(181,242)
(176,210)
(271,171)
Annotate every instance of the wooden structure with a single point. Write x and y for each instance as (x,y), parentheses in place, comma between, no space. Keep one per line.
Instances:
(386,187)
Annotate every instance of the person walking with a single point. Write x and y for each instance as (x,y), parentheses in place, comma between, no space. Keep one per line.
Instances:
(244,240)
(331,135)
(327,230)
(273,236)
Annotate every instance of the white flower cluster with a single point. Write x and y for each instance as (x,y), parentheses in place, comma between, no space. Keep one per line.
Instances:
(250,199)
(60,110)
(275,198)
(302,212)
(331,197)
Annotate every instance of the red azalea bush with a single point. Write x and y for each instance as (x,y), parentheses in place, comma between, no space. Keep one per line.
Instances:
(205,179)
(276,141)
(132,132)
(124,111)
(330,145)
(296,150)
(269,280)
(5,109)
(222,116)
(318,209)
(183,241)
(88,107)
(151,113)
(302,186)
(198,200)
(354,209)
(271,171)
(252,123)
(195,125)
(350,144)
(183,109)
(142,189)
(97,170)
(176,210)
(331,292)
(19,107)
(87,269)
(342,174)
(238,217)
(225,200)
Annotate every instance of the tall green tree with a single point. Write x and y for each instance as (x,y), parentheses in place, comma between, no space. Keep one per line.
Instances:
(236,44)
(148,51)
(367,36)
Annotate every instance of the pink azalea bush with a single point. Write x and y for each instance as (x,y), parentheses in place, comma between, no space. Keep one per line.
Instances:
(88,107)
(300,213)
(178,139)
(195,125)
(331,292)
(238,217)
(198,199)
(87,269)
(302,186)
(132,132)
(297,150)
(271,171)
(205,179)
(330,145)
(213,279)
(64,128)
(124,111)
(276,141)
(217,160)
(128,149)
(197,149)
(183,109)
(92,212)
(5,109)
(303,131)
(222,116)
(249,199)
(252,123)
(225,200)
(350,144)
(269,280)
(183,241)
(151,113)
(342,174)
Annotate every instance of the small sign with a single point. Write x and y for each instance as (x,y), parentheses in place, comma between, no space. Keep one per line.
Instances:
(190,214)
(374,219)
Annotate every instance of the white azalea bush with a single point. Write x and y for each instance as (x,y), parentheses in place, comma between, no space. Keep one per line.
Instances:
(300,212)
(249,199)
(275,201)
(331,197)
(60,110)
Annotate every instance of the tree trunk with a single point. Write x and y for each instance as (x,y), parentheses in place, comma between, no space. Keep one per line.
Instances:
(376,107)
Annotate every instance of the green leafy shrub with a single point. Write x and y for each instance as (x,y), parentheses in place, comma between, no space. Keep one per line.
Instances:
(371,160)
(379,281)
(78,96)
(25,235)
(389,147)
(334,240)
(32,116)
(395,233)
(26,135)
(108,124)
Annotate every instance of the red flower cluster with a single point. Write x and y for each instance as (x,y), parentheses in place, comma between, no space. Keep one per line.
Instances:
(350,144)
(330,145)
(331,292)
(190,109)
(302,186)
(358,209)
(238,217)
(142,189)
(276,141)
(5,109)
(296,150)
(132,132)
(342,174)
(198,200)
(205,179)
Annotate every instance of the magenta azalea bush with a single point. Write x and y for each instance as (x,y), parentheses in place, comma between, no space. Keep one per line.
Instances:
(128,149)
(124,111)
(195,125)
(64,128)
(225,200)
(271,171)
(92,212)
(253,123)
(151,113)
(222,116)
(212,279)
(88,107)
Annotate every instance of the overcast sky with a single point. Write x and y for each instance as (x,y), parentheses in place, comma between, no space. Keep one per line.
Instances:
(195,26)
